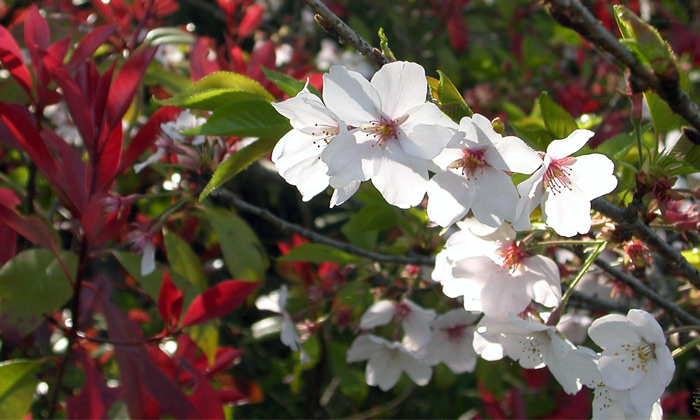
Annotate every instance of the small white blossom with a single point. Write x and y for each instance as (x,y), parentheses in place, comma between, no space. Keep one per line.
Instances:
(386,361)
(276,302)
(415,320)
(451,342)
(635,356)
(474,175)
(565,185)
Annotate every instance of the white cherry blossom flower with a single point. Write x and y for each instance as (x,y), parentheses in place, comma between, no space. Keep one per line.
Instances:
(474,175)
(395,132)
(564,186)
(529,342)
(451,342)
(276,302)
(494,275)
(635,356)
(297,155)
(608,404)
(414,320)
(386,361)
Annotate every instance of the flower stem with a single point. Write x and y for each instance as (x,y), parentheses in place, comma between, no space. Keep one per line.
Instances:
(682,349)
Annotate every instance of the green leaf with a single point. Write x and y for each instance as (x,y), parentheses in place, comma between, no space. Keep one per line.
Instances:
(168,35)
(17,386)
(374,218)
(236,163)
(448,98)
(693,257)
(244,118)
(244,255)
(318,253)
(617,147)
(557,120)
(350,378)
(217,89)
(688,152)
(663,118)
(32,286)
(287,84)
(184,261)
(649,43)
(207,338)
(170,81)
(384,45)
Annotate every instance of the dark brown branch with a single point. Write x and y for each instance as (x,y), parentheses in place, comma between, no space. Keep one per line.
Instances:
(646,234)
(639,287)
(572,14)
(232,199)
(343,33)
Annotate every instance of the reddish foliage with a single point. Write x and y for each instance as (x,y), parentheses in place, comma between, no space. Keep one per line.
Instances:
(217,301)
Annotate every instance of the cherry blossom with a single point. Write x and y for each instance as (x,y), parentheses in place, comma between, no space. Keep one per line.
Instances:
(395,132)
(635,356)
(565,185)
(531,343)
(474,175)
(386,361)
(297,155)
(451,342)
(414,320)
(495,275)
(276,302)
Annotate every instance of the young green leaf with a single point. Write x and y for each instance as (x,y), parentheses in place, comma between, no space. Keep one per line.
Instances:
(236,163)
(448,98)
(184,260)
(17,386)
(287,84)
(218,89)
(557,120)
(244,118)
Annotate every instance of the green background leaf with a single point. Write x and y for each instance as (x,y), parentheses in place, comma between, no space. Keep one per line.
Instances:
(17,385)
(244,118)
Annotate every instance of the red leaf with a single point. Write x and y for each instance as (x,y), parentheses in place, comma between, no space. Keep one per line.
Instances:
(12,60)
(99,99)
(147,135)
(95,396)
(457,30)
(253,17)
(8,238)
(31,227)
(89,44)
(200,66)
(125,84)
(145,387)
(72,174)
(217,301)
(37,38)
(169,301)
(27,135)
(203,396)
(107,160)
(59,49)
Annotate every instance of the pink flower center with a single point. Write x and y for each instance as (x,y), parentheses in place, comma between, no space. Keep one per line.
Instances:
(512,256)
(385,129)
(455,332)
(472,161)
(556,177)
(401,310)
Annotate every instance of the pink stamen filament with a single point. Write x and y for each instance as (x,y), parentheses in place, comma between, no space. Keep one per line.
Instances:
(471,161)
(556,177)
(513,256)
(384,129)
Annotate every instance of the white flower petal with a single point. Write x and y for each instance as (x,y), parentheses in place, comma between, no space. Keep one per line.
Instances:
(449,198)
(594,175)
(425,133)
(148,259)
(350,96)
(410,77)
(573,143)
(401,179)
(351,159)
(496,198)
(568,211)
(516,155)
(362,349)
(380,313)
(341,195)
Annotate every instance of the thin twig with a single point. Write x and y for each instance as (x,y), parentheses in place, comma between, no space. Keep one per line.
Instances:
(646,234)
(572,14)
(343,33)
(232,199)
(650,294)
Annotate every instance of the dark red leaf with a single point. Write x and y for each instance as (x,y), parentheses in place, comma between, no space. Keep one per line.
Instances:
(147,135)
(12,60)
(169,301)
(59,49)
(107,159)
(125,84)
(8,238)
(71,182)
(27,135)
(37,38)
(95,396)
(31,227)
(200,65)
(144,385)
(217,301)
(203,396)
(457,30)
(99,99)
(253,17)
(89,44)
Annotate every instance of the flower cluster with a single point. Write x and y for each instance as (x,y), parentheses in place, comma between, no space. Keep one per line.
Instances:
(383,130)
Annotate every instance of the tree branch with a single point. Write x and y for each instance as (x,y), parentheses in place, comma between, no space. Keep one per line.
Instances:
(573,15)
(343,33)
(646,234)
(650,294)
(231,199)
